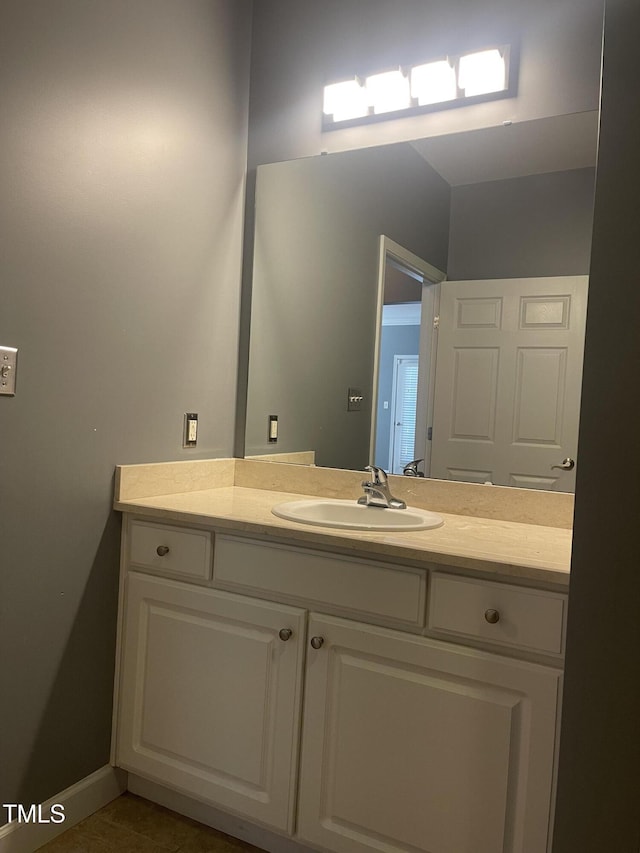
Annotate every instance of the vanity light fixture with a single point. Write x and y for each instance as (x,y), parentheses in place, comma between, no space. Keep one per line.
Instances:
(453,81)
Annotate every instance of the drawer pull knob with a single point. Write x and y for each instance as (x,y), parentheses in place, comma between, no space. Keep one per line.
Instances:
(162,550)
(285,634)
(492,616)
(317,642)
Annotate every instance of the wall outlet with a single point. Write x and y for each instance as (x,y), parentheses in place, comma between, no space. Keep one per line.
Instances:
(190,437)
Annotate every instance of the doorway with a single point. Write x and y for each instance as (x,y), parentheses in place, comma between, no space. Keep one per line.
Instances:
(404,371)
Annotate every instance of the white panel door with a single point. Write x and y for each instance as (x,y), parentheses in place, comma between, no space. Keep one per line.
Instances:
(210,696)
(415,745)
(508,380)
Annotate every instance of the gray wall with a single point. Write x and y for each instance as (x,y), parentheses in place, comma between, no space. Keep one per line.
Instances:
(598,792)
(300,45)
(318,223)
(539,225)
(122,163)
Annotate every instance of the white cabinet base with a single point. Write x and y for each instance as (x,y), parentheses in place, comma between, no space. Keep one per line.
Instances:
(409,744)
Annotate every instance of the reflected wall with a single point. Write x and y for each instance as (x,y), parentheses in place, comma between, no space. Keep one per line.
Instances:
(318,224)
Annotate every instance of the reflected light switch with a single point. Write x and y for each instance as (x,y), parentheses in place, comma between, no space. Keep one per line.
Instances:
(8,362)
(354,399)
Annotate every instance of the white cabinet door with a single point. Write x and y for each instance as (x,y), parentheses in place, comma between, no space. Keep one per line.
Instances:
(210,696)
(411,744)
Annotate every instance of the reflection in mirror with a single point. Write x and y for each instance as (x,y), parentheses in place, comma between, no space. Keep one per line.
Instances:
(404,360)
(397,383)
(490,208)
(508,379)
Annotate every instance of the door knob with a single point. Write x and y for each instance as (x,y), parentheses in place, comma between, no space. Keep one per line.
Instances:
(568,464)
(317,642)
(162,550)
(285,634)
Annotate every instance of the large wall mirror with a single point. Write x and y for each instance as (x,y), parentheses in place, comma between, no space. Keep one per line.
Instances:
(365,354)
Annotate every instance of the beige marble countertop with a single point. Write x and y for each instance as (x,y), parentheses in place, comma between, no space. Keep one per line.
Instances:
(529,552)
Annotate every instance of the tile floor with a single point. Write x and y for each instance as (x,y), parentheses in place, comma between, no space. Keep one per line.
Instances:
(133,825)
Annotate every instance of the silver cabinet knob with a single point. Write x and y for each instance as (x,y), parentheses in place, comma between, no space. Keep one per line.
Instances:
(162,550)
(285,634)
(492,616)
(317,642)
(568,464)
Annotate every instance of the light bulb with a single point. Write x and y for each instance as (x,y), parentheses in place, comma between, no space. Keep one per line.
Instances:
(345,100)
(433,83)
(388,91)
(483,72)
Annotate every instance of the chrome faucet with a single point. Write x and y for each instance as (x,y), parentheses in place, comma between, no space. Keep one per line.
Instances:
(376,491)
(411,469)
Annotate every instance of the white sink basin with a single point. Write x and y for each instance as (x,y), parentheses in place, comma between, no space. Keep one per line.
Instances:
(355,516)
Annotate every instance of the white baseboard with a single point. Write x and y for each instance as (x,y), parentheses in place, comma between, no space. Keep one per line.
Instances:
(79,801)
(222,821)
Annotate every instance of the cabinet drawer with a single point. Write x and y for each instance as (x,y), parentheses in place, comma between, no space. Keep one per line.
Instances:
(370,591)
(525,618)
(188,552)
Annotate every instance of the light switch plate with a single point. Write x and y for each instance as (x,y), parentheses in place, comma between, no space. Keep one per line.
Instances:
(190,435)
(273,428)
(8,363)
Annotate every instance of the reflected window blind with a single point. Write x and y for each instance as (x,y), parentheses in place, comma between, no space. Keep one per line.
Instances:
(409,391)
(405,404)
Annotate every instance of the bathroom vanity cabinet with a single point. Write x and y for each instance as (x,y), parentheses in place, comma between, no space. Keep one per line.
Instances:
(351,704)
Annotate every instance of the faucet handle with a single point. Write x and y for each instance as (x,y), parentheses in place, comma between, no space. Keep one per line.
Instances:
(379,475)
